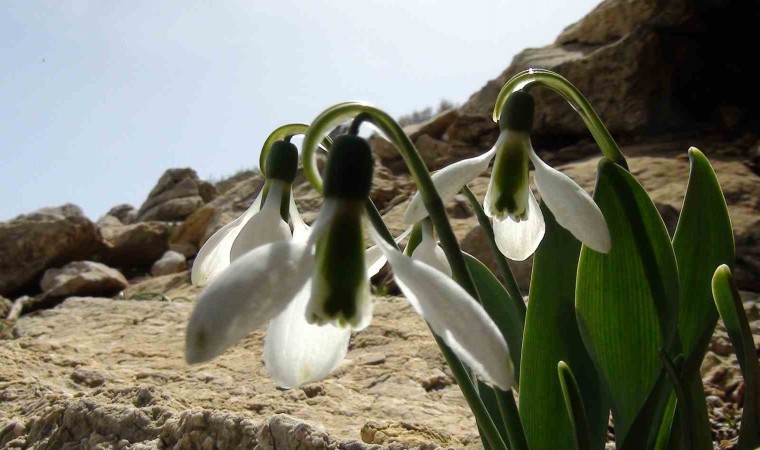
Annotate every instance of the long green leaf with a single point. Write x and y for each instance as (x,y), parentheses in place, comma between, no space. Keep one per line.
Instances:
(703,240)
(497,304)
(731,310)
(551,335)
(575,408)
(627,299)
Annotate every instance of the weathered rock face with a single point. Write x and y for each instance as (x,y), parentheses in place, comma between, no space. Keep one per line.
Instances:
(82,278)
(136,245)
(171,262)
(178,193)
(646,66)
(49,237)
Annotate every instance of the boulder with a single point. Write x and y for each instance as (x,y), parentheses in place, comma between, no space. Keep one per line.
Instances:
(136,245)
(177,194)
(171,262)
(646,66)
(82,278)
(109,221)
(46,238)
(189,236)
(125,213)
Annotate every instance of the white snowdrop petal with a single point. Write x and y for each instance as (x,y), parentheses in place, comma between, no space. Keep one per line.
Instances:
(245,296)
(573,208)
(448,182)
(214,255)
(459,320)
(374,257)
(300,229)
(297,352)
(518,240)
(265,226)
(429,252)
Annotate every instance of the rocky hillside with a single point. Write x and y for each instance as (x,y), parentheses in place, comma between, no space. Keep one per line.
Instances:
(92,344)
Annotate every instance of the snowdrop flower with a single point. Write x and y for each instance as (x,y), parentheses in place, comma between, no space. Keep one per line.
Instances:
(517,219)
(258,225)
(316,291)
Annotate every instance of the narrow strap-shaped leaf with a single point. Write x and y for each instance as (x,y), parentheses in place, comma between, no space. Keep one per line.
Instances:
(674,376)
(551,335)
(703,240)
(575,409)
(731,310)
(644,432)
(496,302)
(627,299)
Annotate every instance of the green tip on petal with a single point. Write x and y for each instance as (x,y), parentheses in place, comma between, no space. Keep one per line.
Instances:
(348,173)
(282,162)
(518,112)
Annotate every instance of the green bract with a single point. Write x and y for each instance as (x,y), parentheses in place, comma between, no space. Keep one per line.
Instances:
(619,316)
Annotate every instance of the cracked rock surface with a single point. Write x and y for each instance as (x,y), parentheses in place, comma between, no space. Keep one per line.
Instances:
(102,374)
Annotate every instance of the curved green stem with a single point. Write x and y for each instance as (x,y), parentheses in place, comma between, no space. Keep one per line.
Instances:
(338,114)
(286,132)
(527,79)
(509,279)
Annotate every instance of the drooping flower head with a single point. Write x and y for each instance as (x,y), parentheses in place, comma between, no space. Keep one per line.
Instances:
(517,220)
(313,292)
(258,225)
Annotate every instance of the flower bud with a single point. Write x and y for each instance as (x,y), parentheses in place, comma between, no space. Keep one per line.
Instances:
(518,112)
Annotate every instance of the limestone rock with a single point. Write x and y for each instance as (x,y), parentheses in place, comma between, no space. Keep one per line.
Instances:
(46,238)
(645,66)
(190,235)
(109,221)
(177,194)
(166,288)
(126,213)
(136,245)
(124,384)
(171,262)
(82,278)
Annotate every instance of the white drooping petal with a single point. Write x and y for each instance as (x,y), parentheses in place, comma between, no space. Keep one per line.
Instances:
(265,226)
(429,252)
(573,208)
(214,255)
(448,182)
(374,257)
(518,240)
(453,315)
(251,291)
(297,352)
(300,229)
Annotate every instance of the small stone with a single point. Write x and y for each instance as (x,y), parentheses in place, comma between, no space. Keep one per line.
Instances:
(171,262)
(88,378)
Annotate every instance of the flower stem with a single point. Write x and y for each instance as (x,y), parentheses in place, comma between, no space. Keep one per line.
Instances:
(286,132)
(509,412)
(527,79)
(509,279)
(338,114)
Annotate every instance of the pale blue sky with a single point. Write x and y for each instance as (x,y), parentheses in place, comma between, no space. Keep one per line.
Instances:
(98,98)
